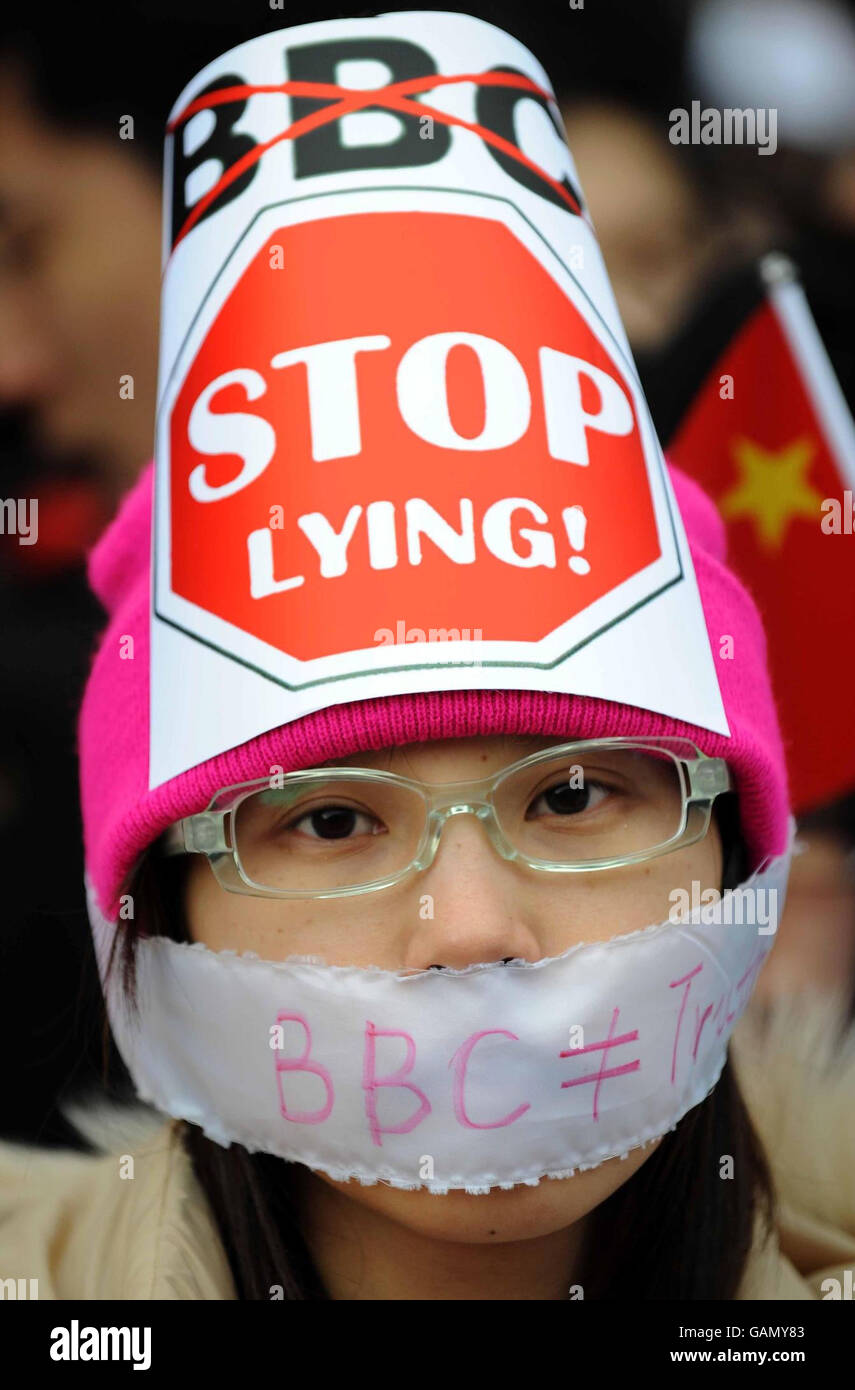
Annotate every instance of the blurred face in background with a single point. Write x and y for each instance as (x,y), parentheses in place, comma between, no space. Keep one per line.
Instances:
(79,287)
(647,216)
(815,949)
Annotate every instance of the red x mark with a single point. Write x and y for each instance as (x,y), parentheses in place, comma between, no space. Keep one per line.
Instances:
(397,96)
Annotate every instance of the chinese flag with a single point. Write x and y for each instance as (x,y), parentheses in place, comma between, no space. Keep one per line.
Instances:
(771,439)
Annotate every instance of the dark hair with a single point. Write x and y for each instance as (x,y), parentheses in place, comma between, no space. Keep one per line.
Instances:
(674,1230)
(97,62)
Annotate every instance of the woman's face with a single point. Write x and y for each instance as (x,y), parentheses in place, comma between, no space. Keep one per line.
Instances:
(79,286)
(483,908)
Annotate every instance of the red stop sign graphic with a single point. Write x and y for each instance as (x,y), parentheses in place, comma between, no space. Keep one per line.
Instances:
(516,571)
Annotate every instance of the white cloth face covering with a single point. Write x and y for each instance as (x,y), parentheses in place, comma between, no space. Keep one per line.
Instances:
(488,1076)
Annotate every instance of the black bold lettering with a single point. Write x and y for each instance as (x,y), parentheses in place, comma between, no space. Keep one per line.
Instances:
(222,145)
(321,151)
(496,107)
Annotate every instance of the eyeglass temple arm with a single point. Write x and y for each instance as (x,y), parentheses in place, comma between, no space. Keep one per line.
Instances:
(203,833)
(708,778)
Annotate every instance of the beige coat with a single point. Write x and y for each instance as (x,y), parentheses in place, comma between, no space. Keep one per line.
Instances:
(72,1222)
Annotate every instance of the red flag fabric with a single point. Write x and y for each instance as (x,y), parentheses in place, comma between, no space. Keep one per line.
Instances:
(66,516)
(771,439)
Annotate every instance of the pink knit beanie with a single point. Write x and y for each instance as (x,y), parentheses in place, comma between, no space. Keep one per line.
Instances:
(122,817)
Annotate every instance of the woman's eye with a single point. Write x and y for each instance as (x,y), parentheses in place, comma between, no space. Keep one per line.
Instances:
(335,823)
(566,799)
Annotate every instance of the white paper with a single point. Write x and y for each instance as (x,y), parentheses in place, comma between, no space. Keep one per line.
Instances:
(217,679)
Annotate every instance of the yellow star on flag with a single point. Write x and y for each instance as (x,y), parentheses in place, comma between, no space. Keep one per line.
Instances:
(773,488)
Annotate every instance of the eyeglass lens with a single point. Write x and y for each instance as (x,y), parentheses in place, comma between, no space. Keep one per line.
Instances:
(326,833)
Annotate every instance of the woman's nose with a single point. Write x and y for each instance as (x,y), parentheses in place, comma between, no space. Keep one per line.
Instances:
(474,906)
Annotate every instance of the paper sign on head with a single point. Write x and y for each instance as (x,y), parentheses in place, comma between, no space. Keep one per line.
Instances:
(401,442)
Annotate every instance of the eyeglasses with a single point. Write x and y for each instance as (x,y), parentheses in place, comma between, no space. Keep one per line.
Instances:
(329,832)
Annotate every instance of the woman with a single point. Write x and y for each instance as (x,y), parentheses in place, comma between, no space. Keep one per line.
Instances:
(688,1213)
(434,988)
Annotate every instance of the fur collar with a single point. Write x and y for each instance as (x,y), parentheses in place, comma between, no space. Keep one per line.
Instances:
(795,1061)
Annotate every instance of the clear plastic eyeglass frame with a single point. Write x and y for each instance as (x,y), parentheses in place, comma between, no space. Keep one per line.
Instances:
(212,832)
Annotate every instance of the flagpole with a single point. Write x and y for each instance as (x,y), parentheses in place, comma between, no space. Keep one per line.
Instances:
(787,297)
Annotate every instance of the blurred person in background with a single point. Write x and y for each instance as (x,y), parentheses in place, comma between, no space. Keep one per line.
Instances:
(680,227)
(798,58)
(79,271)
(664,236)
(816,948)
(79,290)
(80,257)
